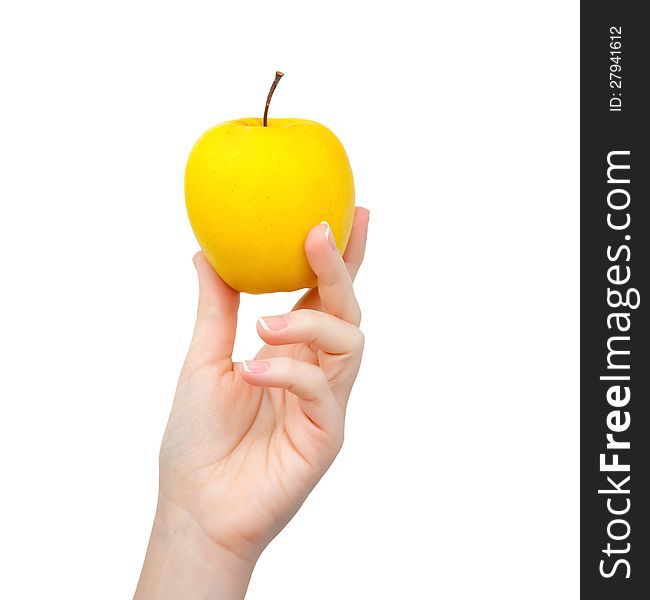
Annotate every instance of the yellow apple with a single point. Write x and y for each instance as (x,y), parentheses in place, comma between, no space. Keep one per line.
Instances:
(253,192)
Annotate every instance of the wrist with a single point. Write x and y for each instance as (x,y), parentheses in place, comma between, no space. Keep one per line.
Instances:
(182,562)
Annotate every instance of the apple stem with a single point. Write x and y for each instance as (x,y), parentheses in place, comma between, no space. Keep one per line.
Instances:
(278,74)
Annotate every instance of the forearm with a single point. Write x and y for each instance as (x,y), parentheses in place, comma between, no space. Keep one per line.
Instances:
(182,563)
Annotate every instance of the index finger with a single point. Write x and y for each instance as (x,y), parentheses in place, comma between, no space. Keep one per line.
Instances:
(353,256)
(334,281)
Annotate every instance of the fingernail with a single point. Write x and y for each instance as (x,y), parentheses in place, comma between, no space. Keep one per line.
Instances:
(329,236)
(274,323)
(255,366)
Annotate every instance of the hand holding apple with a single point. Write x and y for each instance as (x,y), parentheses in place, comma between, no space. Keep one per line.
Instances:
(246,442)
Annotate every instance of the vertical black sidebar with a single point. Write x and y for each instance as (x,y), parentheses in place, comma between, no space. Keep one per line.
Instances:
(614,301)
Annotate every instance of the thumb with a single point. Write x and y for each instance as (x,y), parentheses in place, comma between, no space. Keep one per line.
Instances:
(216,319)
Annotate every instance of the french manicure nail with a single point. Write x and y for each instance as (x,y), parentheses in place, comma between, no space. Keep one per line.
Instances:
(255,366)
(274,323)
(329,236)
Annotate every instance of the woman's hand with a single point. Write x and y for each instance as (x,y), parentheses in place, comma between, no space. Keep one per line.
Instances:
(246,442)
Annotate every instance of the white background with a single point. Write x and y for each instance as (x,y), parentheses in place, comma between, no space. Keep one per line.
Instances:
(459,475)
